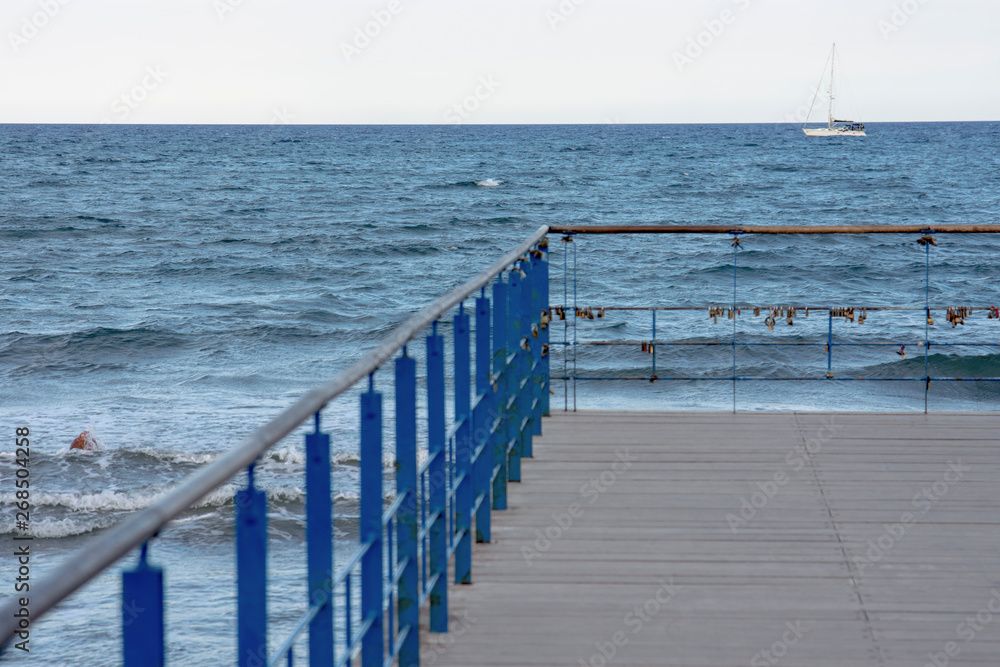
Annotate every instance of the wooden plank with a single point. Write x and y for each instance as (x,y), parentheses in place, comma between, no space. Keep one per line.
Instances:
(873,547)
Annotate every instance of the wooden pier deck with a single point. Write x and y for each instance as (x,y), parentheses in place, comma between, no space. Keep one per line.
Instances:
(710,539)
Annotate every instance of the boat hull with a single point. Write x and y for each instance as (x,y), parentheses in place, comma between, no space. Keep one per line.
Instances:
(827,132)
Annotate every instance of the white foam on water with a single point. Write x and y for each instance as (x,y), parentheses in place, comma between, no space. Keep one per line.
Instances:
(488,183)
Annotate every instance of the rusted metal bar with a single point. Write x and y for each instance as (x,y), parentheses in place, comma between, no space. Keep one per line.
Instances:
(773,229)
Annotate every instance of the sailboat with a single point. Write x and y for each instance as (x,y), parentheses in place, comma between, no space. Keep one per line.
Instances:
(834,127)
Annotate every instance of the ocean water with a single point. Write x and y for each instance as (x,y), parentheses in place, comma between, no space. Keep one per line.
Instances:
(171,288)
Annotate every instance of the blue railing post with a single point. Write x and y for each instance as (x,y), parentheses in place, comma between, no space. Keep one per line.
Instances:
(463,452)
(372,645)
(500,393)
(515,375)
(532,352)
(542,273)
(408,594)
(437,480)
(142,614)
(251,574)
(319,546)
(481,441)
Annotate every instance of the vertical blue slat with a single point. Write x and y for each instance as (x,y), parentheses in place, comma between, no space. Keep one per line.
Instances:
(463,451)
(515,414)
(500,393)
(372,645)
(319,546)
(251,574)
(142,615)
(543,282)
(537,340)
(483,466)
(408,594)
(531,395)
(437,480)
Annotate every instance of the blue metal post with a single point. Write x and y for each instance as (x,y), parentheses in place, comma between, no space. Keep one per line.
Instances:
(500,393)
(408,594)
(319,546)
(483,465)
(653,311)
(437,480)
(829,348)
(515,375)
(532,394)
(373,643)
(927,323)
(543,284)
(251,574)
(142,614)
(463,451)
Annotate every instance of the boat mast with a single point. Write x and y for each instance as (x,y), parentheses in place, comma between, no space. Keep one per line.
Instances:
(833,63)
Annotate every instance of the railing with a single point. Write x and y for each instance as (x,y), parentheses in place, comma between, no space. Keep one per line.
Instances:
(572,312)
(405,550)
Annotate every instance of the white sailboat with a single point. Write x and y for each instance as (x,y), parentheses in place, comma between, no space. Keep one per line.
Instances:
(834,127)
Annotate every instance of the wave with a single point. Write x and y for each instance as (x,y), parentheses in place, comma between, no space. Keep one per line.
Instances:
(103,339)
(940,365)
(111,500)
(485,183)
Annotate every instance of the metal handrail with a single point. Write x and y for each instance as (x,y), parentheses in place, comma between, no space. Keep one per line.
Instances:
(771,229)
(107,548)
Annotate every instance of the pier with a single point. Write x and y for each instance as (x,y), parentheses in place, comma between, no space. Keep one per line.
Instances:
(803,539)
(518,533)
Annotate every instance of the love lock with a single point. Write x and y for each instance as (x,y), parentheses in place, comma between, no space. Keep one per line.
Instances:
(930,320)
(600,313)
(756,311)
(902,351)
(545,349)
(534,330)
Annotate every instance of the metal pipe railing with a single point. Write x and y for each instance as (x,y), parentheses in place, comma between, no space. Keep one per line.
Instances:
(570,309)
(771,229)
(112,545)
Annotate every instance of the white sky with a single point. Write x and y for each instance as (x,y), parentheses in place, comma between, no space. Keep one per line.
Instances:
(261,61)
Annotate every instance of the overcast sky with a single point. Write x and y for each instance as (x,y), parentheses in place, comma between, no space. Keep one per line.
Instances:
(477,61)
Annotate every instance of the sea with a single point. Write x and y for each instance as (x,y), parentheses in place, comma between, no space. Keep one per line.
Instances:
(172,288)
